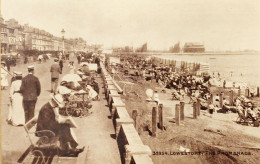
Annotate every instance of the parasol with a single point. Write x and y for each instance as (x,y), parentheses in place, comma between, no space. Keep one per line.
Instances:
(71,78)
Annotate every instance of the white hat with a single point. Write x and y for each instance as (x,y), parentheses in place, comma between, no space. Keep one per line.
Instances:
(31,67)
(18,73)
(58,99)
(63,90)
(88,87)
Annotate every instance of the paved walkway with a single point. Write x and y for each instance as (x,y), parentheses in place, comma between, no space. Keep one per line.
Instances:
(95,131)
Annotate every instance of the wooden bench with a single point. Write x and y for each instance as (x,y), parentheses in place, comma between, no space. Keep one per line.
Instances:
(132,142)
(130,135)
(106,83)
(120,117)
(107,78)
(108,88)
(140,159)
(116,102)
(45,148)
(111,94)
(121,113)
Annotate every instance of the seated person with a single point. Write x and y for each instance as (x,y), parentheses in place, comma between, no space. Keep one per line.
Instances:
(156,97)
(225,107)
(250,111)
(211,108)
(73,85)
(50,119)
(92,94)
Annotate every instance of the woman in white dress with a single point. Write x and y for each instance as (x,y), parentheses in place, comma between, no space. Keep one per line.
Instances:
(4,73)
(92,94)
(17,110)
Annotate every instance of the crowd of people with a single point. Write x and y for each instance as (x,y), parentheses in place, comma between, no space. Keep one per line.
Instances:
(25,90)
(185,84)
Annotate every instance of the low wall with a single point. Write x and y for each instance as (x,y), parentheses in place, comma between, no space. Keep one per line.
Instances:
(132,150)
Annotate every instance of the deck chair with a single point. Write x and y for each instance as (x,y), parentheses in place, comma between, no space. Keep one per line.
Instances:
(44,147)
(243,119)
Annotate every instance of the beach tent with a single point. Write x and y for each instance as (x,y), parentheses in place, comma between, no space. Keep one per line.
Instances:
(114,60)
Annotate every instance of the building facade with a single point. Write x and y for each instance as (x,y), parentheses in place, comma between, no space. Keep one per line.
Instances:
(15,37)
(193,47)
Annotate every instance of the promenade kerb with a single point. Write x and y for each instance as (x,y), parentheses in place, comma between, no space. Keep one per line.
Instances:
(130,145)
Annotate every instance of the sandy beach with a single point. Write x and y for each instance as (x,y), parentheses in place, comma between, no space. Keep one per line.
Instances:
(191,134)
(235,68)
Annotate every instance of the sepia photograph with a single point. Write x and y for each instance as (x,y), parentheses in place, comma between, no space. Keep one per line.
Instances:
(130,82)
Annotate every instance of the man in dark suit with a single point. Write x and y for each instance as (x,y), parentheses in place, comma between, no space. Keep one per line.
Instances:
(55,71)
(30,89)
(8,63)
(61,64)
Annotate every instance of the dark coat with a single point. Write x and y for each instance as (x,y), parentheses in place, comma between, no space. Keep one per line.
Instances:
(61,63)
(46,119)
(8,63)
(55,70)
(30,88)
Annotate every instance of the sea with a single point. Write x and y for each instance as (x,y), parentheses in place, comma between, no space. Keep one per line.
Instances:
(244,68)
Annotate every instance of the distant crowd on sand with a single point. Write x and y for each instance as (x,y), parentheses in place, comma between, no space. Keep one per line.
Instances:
(188,84)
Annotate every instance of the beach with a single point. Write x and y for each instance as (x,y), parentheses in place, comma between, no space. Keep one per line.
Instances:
(225,136)
(236,68)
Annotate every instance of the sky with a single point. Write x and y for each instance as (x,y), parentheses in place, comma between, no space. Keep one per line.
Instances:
(218,24)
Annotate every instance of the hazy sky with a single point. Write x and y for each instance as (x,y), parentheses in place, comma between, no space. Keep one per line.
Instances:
(219,24)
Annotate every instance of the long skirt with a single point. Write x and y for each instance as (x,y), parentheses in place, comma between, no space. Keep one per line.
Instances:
(18,116)
(4,81)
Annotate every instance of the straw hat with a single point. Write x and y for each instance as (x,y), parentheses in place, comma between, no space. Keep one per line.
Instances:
(58,99)
(18,73)
(31,67)
(63,90)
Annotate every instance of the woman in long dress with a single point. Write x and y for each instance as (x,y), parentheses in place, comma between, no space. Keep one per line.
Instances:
(4,73)
(17,110)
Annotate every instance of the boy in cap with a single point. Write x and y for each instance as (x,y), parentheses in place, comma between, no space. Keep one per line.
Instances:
(30,89)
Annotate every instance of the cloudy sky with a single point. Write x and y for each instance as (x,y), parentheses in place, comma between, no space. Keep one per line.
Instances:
(219,24)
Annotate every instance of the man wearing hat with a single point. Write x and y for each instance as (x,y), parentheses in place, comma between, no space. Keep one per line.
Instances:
(30,89)
(55,71)
(49,119)
(8,63)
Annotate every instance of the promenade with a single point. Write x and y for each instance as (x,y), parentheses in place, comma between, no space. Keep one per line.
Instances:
(94,132)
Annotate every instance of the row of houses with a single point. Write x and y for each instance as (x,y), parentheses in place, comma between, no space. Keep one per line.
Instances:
(16,37)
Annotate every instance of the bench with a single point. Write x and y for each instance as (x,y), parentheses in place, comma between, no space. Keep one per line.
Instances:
(120,117)
(116,102)
(45,148)
(107,78)
(108,88)
(131,142)
(106,83)
(111,94)
(140,159)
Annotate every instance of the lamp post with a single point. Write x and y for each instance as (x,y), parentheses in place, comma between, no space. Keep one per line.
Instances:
(62,33)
